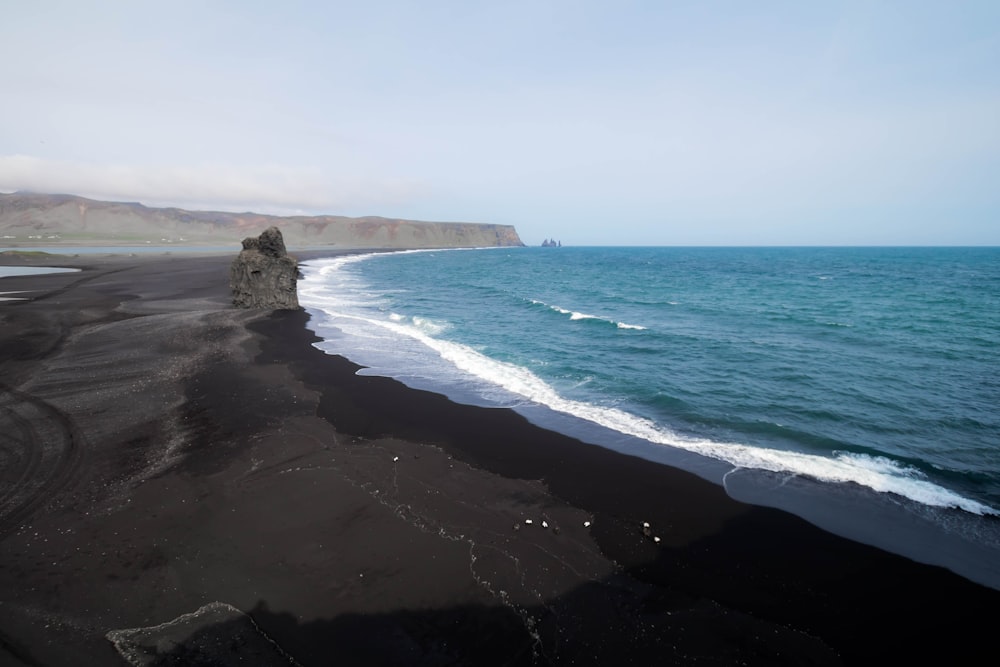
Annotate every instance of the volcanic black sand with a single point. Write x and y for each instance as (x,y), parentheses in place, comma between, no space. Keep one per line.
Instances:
(161,451)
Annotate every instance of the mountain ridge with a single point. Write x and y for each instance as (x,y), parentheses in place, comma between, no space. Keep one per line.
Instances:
(29,218)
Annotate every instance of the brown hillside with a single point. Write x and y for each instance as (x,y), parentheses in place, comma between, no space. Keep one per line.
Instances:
(29,219)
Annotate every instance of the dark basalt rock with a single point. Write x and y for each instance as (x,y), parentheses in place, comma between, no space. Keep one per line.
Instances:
(263,275)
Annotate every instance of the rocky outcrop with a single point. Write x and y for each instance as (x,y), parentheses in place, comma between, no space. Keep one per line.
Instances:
(263,275)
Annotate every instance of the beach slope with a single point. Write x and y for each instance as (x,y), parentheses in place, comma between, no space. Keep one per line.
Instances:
(166,457)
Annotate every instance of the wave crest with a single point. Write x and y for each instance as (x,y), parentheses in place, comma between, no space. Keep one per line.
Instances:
(575,315)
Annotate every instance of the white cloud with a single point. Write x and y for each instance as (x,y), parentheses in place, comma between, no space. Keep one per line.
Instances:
(263,188)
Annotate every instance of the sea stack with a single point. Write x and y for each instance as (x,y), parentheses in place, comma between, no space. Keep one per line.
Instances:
(263,275)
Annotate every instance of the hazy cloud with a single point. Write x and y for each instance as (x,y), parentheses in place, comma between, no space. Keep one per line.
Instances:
(263,188)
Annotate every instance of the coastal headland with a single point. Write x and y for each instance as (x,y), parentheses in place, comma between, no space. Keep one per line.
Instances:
(167,456)
(37,219)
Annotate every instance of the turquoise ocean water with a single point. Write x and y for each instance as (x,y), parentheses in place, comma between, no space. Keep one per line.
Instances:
(857,387)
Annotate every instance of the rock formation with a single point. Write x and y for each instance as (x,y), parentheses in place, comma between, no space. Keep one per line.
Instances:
(263,275)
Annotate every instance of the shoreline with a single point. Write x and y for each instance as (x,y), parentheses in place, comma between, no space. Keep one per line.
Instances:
(204,454)
(911,519)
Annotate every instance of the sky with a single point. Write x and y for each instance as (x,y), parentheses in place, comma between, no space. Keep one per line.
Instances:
(595,123)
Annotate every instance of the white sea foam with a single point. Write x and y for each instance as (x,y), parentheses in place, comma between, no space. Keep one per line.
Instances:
(575,315)
(510,384)
(429,326)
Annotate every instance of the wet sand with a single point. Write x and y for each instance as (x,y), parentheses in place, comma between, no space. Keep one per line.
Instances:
(161,451)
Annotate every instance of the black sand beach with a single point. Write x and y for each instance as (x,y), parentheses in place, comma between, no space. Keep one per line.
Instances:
(161,451)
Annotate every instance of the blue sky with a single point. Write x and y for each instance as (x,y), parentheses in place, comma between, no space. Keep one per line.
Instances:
(593,122)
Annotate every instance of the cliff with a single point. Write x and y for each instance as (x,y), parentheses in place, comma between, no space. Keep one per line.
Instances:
(29,219)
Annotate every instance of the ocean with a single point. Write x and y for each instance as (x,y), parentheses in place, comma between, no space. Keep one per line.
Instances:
(856,387)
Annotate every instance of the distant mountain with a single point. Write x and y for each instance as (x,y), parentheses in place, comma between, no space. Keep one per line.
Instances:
(30,219)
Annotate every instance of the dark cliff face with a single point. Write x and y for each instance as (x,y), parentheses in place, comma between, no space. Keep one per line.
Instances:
(264,275)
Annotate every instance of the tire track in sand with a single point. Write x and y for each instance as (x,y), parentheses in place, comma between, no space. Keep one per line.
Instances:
(70,286)
(41,449)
